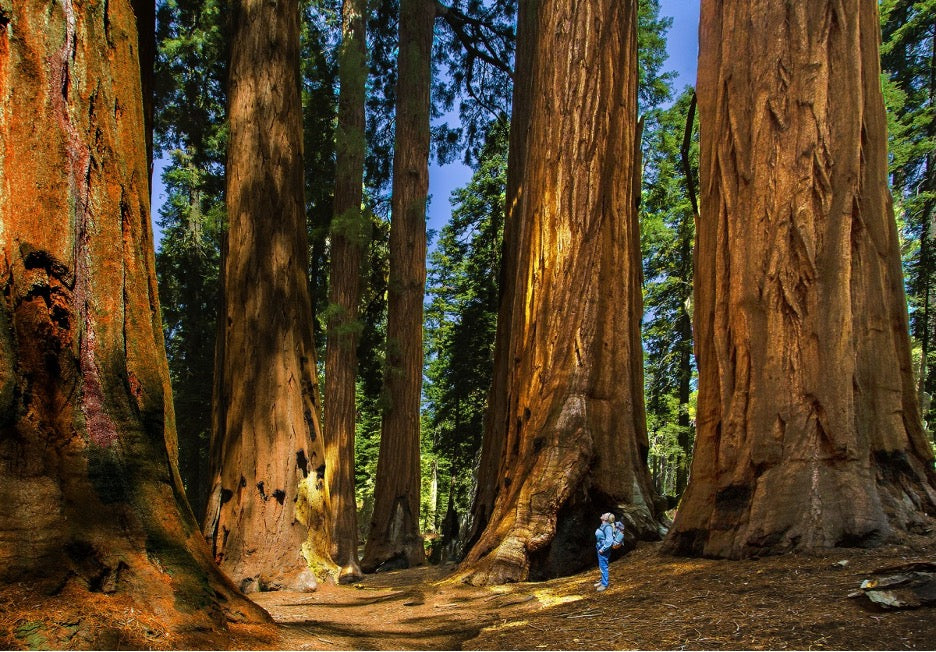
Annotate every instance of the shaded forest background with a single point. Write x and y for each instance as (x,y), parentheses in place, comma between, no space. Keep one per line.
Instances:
(470,80)
(611,295)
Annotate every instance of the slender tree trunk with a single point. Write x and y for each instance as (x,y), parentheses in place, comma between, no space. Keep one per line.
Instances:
(808,430)
(926,247)
(490,463)
(394,530)
(684,328)
(684,322)
(267,517)
(347,243)
(924,264)
(195,382)
(569,431)
(90,497)
(432,518)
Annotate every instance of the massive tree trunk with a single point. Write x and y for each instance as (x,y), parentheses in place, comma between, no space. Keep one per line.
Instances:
(267,517)
(570,427)
(394,528)
(808,432)
(90,497)
(347,241)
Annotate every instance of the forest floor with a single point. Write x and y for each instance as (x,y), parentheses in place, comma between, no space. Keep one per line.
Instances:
(655,601)
(795,601)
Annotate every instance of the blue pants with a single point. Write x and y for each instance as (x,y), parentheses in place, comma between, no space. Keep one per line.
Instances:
(603,563)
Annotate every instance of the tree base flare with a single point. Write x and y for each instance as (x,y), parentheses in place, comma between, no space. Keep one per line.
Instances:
(41,615)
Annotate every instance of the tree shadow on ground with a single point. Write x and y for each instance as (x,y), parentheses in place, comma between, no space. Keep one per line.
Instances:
(795,601)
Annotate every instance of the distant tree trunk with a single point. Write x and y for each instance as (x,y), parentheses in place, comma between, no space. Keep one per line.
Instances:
(268,504)
(432,518)
(347,242)
(394,529)
(684,322)
(567,403)
(684,391)
(926,247)
(195,381)
(808,429)
(924,263)
(90,496)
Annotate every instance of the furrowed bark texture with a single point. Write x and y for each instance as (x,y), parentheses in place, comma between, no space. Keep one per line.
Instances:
(347,242)
(90,496)
(268,505)
(808,432)
(394,528)
(570,426)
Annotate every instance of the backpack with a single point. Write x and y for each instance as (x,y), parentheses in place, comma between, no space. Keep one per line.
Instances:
(617,535)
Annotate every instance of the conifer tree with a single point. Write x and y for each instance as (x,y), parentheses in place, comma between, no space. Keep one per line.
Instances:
(394,526)
(348,232)
(565,436)
(908,56)
(93,506)
(268,515)
(808,429)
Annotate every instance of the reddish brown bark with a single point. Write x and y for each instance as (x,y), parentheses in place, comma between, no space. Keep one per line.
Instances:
(90,496)
(566,422)
(394,528)
(267,517)
(347,242)
(808,431)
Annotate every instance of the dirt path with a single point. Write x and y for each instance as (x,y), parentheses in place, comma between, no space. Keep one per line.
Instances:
(410,609)
(655,602)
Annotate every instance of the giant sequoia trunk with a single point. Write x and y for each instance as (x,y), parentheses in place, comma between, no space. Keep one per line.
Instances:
(90,497)
(394,528)
(347,242)
(567,416)
(268,509)
(808,432)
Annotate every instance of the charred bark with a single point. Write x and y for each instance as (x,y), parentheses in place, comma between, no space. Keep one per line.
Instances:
(267,519)
(394,528)
(348,239)
(566,436)
(90,496)
(808,429)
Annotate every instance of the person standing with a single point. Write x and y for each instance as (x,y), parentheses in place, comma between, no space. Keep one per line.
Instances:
(604,537)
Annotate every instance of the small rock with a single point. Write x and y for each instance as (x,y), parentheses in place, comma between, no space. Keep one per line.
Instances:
(305,582)
(907,586)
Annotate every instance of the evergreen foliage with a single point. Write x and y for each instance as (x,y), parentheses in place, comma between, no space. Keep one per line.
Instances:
(190,96)
(908,58)
(460,324)
(192,222)
(473,59)
(373,318)
(319,38)
(654,85)
(667,236)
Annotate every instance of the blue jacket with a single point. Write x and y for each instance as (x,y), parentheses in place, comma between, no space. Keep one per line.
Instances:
(604,537)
